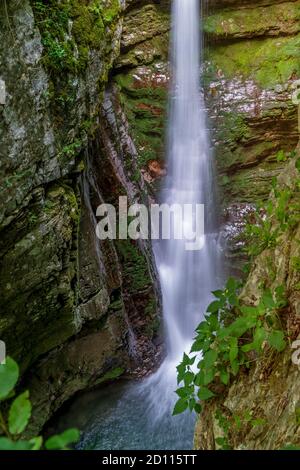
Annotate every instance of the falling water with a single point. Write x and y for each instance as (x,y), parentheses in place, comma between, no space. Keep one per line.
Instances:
(139,416)
(187,277)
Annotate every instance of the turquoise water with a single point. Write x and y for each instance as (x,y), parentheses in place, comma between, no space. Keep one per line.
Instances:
(117,417)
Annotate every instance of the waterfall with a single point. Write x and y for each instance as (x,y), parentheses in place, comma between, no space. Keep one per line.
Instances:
(187,277)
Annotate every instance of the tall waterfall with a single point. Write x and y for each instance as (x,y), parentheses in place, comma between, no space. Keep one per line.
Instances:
(187,277)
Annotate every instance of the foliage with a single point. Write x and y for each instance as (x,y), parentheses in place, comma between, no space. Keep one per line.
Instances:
(272,219)
(234,423)
(230,337)
(15,416)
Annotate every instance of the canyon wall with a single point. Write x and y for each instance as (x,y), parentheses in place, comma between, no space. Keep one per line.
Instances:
(252,63)
(75,312)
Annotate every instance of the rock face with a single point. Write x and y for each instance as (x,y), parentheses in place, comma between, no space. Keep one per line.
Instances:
(252,63)
(74,311)
(261,406)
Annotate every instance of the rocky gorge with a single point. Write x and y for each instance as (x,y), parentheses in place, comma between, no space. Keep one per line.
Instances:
(83,116)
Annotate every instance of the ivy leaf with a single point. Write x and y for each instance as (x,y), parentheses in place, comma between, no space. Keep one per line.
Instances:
(276,340)
(62,441)
(180,406)
(9,374)
(205,394)
(19,413)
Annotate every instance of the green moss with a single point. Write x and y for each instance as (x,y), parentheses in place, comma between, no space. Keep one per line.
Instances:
(254,22)
(71,28)
(111,375)
(134,265)
(268,62)
(145,109)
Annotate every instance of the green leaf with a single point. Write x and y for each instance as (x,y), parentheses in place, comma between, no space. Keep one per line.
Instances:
(61,441)
(36,442)
(188,361)
(183,392)
(249,311)
(192,404)
(213,322)
(218,294)
(297,164)
(258,338)
(240,326)
(276,340)
(214,306)
(210,358)
(198,408)
(205,394)
(234,350)
(180,406)
(267,299)
(209,376)
(224,376)
(8,444)
(199,379)
(9,374)
(248,347)
(231,285)
(19,413)
(188,378)
(180,372)
(197,345)
(203,327)
(235,367)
